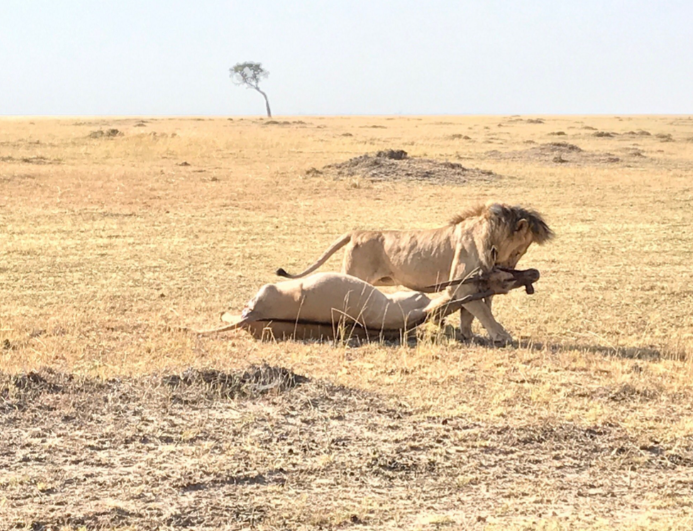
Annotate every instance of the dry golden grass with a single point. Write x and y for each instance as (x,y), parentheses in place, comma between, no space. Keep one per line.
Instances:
(107,241)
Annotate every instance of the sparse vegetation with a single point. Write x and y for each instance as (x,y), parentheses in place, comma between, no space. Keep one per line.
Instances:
(111,420)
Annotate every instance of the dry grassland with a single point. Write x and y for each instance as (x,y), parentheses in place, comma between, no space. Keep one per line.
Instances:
(110,421)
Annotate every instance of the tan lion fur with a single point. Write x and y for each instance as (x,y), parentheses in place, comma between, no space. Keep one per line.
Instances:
(334,301)
(481,237)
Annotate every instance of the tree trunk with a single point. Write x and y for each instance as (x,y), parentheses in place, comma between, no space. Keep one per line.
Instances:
(269,113)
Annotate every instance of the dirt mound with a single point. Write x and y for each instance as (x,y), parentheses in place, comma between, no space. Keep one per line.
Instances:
(19,392)
(254,381)
(30,383)
(108,133)
(557,147)
(557,153)
(639,132)
(393,154)
(396,165)
(517,119)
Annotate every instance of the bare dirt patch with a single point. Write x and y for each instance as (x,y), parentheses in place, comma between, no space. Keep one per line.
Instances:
(267,448)
(397,165)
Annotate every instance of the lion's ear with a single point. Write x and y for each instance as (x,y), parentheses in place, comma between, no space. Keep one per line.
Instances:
(521,225)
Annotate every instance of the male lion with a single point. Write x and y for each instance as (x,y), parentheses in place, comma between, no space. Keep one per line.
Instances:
(482,237)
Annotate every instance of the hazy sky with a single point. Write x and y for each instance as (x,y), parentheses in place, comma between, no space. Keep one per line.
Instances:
(69,57)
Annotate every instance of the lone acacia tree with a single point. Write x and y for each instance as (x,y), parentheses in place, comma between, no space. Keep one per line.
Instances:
(249,74)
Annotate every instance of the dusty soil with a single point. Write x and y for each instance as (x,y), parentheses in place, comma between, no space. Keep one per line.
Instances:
(397,165)
(270,449)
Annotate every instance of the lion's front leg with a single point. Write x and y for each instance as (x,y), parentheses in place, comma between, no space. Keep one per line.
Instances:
(482,311)
(466,319)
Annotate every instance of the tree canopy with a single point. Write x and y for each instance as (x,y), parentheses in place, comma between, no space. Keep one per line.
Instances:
(249,74)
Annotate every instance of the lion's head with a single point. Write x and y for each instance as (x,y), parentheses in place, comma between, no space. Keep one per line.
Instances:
(508,232)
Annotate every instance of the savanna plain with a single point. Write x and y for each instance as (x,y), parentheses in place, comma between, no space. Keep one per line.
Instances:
(116,232)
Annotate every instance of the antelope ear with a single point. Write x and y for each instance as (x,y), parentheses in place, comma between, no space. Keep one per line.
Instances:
(521,225)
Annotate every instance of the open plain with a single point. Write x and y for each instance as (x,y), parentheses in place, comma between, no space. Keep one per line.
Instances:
(115,231)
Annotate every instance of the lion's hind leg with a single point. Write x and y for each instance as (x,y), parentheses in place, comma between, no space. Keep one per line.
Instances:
(365,260)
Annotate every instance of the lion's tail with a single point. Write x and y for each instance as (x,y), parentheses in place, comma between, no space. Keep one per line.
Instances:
(336,246)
